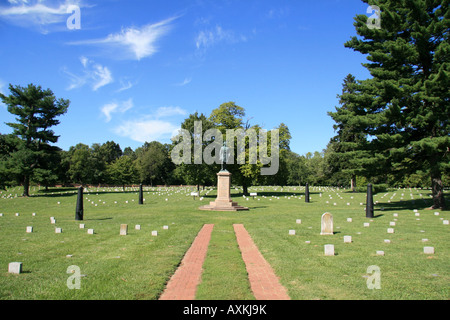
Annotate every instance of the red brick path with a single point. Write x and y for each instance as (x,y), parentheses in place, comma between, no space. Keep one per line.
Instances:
(183,284)
(263,281)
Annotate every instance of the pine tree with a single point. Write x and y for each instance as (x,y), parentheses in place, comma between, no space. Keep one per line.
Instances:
(406,101)
(36,112)
(349,146)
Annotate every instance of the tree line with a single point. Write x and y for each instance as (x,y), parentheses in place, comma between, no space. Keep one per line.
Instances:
(391,129)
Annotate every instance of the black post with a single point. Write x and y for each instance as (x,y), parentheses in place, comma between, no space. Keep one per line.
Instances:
(307,192)
(79,209)
(369,202)
(141,196)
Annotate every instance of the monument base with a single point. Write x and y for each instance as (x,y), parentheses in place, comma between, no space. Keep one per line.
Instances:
(223,201)
(220,205)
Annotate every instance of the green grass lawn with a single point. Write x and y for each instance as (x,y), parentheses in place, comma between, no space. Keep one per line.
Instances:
(137,266)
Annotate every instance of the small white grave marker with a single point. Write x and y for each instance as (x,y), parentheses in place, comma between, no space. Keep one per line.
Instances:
(58,230)
(17,214)
(81,225)
(29,229)
(428,250)
(123,229)
(90,231)
(390,230)
(347,239)
(387,241)
(329,249)
(137,227)
(298,221)
(392,224)
(380,253)
(445,221)
(165,227)
(154,233)
(15,267)
(292,232)
(366,224)
(349,219)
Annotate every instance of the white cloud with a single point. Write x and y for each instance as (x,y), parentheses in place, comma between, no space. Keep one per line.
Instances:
(209,38)
(101,76)
(152,127)
(125,85)
(115,107)
(146,130)
(35,13)
(93,73)
(137,43)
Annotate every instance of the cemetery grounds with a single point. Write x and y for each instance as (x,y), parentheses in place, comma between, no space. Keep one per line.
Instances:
(138,265)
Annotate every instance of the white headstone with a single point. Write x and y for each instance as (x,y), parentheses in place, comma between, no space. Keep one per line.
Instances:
(137,227)
(445,221)
(347,239)
(390,230)
(90,231)
(154,233)
(428,250)
(298,221)
(326,224)
(392,224)
(58,230)
(15,267)
(366,224)
(17,214)
(387,241)
(29,229)
(349,219)
(123,229)
(329,249)
(81,225)
(165,227)
(292,232)
(380,253)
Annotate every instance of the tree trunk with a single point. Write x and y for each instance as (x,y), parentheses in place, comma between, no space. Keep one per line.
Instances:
(245,188)
(437,188)
(26,186)
(353,183)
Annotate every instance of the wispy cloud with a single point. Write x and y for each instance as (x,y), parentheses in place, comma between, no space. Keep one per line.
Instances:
(115,107)
(185,82)
(160,125)
(93,73)
(125,85)
(211,37)
(146,130)
(135,43)
(39,13)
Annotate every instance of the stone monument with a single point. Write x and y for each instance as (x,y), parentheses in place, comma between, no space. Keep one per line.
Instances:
(327,224)
(223,201)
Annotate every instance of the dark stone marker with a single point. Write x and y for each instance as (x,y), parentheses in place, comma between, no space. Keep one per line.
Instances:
(369,202)
(141,196)
(307,192)
(79,209)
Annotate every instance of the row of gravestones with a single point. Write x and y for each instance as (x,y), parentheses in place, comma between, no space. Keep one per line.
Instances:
(327,229)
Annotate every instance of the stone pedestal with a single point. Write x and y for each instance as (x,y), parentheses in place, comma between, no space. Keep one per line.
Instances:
(223,201)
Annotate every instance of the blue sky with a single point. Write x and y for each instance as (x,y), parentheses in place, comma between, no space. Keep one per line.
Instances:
(134,70)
